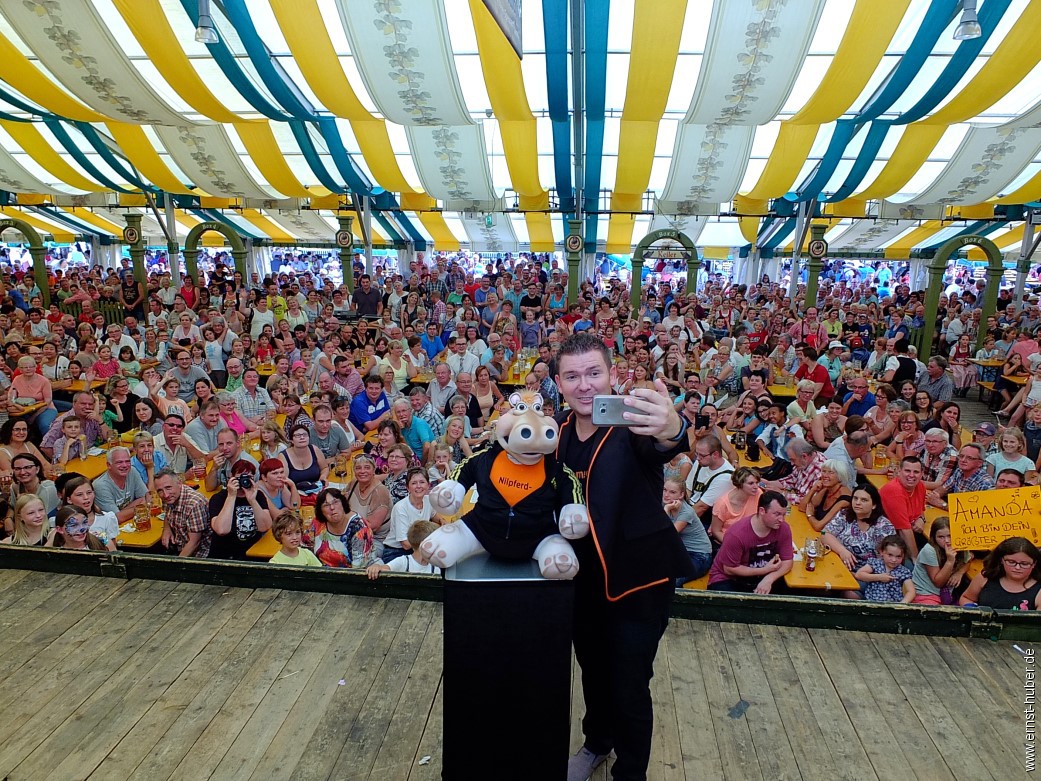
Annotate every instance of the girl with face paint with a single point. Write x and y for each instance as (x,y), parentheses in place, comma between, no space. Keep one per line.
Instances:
(72,532)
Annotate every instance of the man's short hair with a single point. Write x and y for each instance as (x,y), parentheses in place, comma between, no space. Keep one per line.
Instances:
(1012,472)
(766,498)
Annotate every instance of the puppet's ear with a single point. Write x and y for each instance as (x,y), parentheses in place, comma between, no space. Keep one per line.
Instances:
(515,399)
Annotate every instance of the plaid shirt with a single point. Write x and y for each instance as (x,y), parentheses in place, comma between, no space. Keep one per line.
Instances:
(438,312)
(799,482)
(251,406)
(942,464)
(189,512)
(433,418)
(958,483)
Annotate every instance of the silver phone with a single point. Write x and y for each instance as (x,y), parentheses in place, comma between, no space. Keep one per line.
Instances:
(607,411)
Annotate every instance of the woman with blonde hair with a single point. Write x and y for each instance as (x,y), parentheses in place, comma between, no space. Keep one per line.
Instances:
(828,495)
(909,439)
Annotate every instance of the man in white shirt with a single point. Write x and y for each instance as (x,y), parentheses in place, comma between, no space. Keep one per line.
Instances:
(461,360)
(441,388)
(709,480)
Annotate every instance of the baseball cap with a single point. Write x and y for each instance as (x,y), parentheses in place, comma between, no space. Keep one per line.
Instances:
(298,365)
(836,345)
(987,429)
(647,320)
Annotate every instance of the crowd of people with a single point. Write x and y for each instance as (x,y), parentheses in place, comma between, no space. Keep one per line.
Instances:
(404,376)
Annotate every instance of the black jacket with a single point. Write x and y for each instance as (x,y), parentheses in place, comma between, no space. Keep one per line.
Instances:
(634,543)
(515,532)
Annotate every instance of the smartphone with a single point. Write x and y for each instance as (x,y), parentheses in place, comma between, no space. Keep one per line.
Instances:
(701,421)
(607,411)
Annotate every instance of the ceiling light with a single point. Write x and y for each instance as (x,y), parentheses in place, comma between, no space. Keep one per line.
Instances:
(969,27)
(205,32)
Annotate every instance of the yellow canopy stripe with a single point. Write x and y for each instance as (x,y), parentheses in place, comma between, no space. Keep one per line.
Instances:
(1027,193)
(1013,238)
(304,29)
(912,151)
(139,150)
(901,248)
(620,234)
(1014,58)
(262,147)
(25,77)
(29,138)
(715,253)
(505,84)
(871,27)
(417,202)
(377,238)
(540,231)
(789,153)
(657,25)
(147,21)
(87,216)
(435,224)
(61,235)
(271,228)
(750,225)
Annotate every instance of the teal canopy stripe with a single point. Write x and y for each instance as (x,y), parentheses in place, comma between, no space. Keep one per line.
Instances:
(226,60)
(868,154)
(303,140)
(937,19)
(212,215)
(555,27)
(342,160)
(274,79)
(940,14)
(775,241)
(81,228)
(597,16)
(959,64)
(77,154)
(128,171)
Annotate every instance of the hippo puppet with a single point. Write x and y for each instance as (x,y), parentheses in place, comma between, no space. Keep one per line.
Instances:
(520,486)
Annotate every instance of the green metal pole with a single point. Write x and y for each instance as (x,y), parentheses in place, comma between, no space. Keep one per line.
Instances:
(574,259)
(344,239)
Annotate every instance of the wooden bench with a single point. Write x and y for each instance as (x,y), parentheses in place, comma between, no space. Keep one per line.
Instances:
(699,584)
(986,386)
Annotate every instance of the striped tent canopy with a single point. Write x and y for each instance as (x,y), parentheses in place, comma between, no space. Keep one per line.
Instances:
(719,117)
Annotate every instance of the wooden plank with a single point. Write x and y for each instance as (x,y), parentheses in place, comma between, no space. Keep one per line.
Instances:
(97,630)
(369,730)
(811,751)
(242,757)
(348,701)
(1005,660)
(871,721)
(430,742)
(723,707)
(71,682)
(992,740)
(20,588)
(772,747)
(207,752)
(8,577)
(920,751)
(32,603)
(954,748)
(288,743)
(161,760)
(175,616)
(666,763)
(150,728)
(993,693)
(700,754)
(119,709)
(822,700)
(399,752)
(27,646)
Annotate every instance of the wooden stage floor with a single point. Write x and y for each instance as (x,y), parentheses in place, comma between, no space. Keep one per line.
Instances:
(108,679)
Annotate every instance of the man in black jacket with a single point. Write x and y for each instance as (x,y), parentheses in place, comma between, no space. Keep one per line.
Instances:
(628,562)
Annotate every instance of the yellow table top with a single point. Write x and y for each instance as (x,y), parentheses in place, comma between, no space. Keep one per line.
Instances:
(781,391)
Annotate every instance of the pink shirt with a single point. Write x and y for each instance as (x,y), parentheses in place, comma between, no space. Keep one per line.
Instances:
(729,515)
(235,423)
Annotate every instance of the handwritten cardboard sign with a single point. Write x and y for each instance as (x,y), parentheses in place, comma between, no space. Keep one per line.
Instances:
(982,519)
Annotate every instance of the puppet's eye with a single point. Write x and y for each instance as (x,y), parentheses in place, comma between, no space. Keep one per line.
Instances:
(537,407)
(521,407)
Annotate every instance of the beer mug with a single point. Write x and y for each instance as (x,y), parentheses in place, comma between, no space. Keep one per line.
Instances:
(142,518)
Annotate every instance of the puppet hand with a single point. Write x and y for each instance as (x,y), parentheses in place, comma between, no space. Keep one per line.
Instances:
(574,521)
(447,497)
